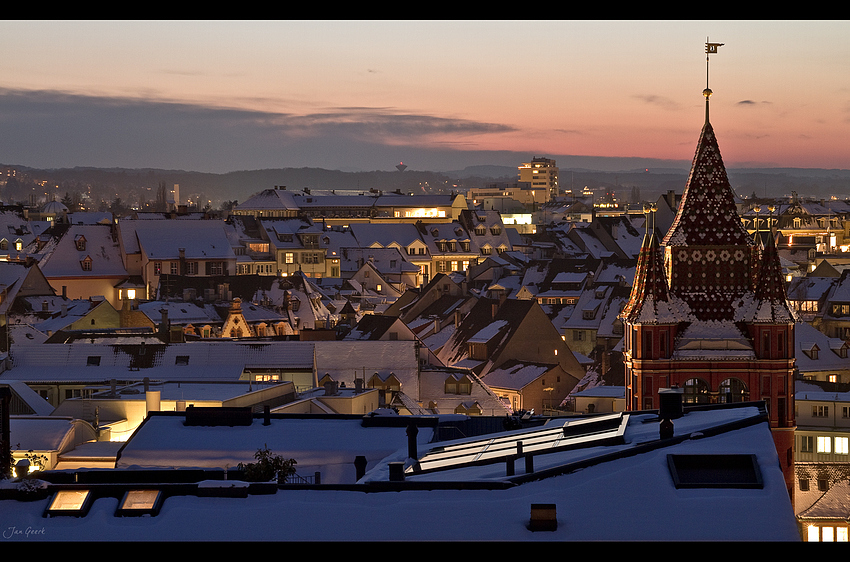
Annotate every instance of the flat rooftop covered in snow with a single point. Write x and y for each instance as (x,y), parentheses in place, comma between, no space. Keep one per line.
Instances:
(620,489)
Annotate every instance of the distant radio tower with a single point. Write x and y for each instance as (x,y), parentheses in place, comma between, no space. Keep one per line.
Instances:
(401,167)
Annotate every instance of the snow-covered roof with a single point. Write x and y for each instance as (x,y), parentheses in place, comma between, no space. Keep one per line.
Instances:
(609,478)
(64,258)
(269,199)
(47,433)
(515,374)
(160,240)
(328,445)
(602,392)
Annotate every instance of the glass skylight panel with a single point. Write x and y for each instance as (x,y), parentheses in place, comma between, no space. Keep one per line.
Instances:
(69,502)
(140,502)
(570,434)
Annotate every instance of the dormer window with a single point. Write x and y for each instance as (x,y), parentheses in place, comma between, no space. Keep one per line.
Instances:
(810,349)
(85,263)
(480,230)
(80,241)
(495,230)
(4,244)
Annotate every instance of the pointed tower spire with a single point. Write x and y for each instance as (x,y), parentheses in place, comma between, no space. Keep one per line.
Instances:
(769,303)
(650,301)
(707,214)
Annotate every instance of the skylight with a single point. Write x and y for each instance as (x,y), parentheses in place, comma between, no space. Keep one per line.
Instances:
(571,434)
(715,471)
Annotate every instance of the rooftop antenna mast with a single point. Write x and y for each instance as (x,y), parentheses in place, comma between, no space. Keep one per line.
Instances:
(710,49)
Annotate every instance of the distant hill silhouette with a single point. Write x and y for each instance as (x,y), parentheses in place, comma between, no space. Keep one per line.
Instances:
(239,185)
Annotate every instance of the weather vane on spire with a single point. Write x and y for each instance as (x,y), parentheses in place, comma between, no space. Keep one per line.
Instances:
(710,49)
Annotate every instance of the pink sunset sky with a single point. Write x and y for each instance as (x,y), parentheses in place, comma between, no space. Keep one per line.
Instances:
(226,95)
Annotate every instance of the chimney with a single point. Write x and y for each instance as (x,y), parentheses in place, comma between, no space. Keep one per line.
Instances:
(163,326)
(153,400)
(670,408)
(64,309)
(359,467)
(412,432)
(330,388)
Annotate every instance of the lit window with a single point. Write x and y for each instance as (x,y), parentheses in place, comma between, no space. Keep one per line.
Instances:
(70,502)
(824,444)
(841,445)
(140,502)
(827,534)
(814,533)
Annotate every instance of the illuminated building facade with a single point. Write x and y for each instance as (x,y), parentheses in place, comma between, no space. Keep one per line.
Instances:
(541,173)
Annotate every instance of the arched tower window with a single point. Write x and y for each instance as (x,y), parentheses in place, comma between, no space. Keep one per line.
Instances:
(733,390)
(695,391)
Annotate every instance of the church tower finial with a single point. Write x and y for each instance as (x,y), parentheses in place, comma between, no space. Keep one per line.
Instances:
(710,48)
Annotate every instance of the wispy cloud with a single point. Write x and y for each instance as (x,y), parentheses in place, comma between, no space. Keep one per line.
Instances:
(753,102)
(658,101)
(570,131)
(81,129)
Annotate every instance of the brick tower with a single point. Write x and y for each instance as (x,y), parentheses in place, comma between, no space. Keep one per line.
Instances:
(708,310)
